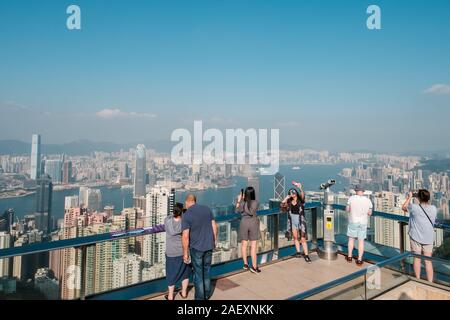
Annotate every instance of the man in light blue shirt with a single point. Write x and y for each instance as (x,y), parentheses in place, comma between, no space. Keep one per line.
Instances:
(422,217)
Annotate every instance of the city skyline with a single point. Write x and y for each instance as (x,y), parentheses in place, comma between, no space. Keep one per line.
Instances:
(231,65)
(116,114)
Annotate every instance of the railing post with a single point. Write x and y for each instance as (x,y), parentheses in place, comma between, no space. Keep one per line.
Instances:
(314,226)
(402,225)
(276,228)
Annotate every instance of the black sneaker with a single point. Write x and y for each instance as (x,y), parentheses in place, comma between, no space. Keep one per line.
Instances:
(307,258)
(245,267)
(297,255)
(255,270)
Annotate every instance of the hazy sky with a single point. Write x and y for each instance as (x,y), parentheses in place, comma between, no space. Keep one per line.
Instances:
(139,69)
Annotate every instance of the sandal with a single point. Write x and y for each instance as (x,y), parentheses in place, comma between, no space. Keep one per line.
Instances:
(166,296)
(348,259)
(184,297)
(359,263)
(307,258)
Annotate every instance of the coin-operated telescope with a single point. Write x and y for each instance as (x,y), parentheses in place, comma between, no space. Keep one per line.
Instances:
(328,250)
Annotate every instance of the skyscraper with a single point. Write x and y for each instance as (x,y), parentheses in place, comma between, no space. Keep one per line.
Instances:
(53,168)
(279,187)
(43,203)
(5,242)
(67,172)
(140,171)
(253,181)
(94,199)
(71,202)
(83,196)
(7,220)
(160,202)
(35,171)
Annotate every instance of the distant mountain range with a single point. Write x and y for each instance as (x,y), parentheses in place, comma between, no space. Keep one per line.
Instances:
(86,147)
(78,147)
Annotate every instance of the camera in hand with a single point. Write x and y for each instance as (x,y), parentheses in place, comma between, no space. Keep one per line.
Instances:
(415,194)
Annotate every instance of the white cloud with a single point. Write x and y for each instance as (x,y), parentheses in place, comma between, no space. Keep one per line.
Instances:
(117,113)
(438,89)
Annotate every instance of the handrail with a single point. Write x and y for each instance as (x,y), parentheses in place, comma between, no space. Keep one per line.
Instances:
(395,217)
(347,278)
(116,235)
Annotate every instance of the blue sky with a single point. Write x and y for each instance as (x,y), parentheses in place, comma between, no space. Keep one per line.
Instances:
(139,69)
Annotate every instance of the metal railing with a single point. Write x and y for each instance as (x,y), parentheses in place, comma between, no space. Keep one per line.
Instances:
(364,272)
(82,243)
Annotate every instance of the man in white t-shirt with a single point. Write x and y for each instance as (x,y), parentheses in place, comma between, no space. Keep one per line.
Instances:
(360,208)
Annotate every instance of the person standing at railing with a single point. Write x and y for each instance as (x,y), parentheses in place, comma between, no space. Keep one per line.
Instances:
(295,204)
(422,217)
(176,269)
(360,209)
(199,240)
(247,205)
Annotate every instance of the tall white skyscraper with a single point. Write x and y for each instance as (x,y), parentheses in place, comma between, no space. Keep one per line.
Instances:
(140,171)
(5,242)
(160,202)
(94,199)
(53,167)
(35,171)
(71,202)
(83,196)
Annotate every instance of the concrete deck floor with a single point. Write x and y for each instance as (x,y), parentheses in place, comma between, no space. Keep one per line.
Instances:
(279,280)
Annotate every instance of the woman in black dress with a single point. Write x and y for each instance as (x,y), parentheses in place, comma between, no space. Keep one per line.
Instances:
(295,202)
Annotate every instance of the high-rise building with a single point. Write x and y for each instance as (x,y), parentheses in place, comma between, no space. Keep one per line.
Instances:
(279,187)
(228,170)
(71,202)
(253,181)
(24,267)
(7,220)
(83,196)
(45,282)
(67,172)
(140,171)
(94,199)
(44,204)
(53,168)
(124,170)
(387,231)
(160,202)
(127,270)
(35,168)
(5,242)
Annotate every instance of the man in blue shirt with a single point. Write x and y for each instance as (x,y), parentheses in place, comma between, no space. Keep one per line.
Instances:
(199,240)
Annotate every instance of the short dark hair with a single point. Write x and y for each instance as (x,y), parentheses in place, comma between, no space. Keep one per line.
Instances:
(191,197)
(423,195)
(177,209)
